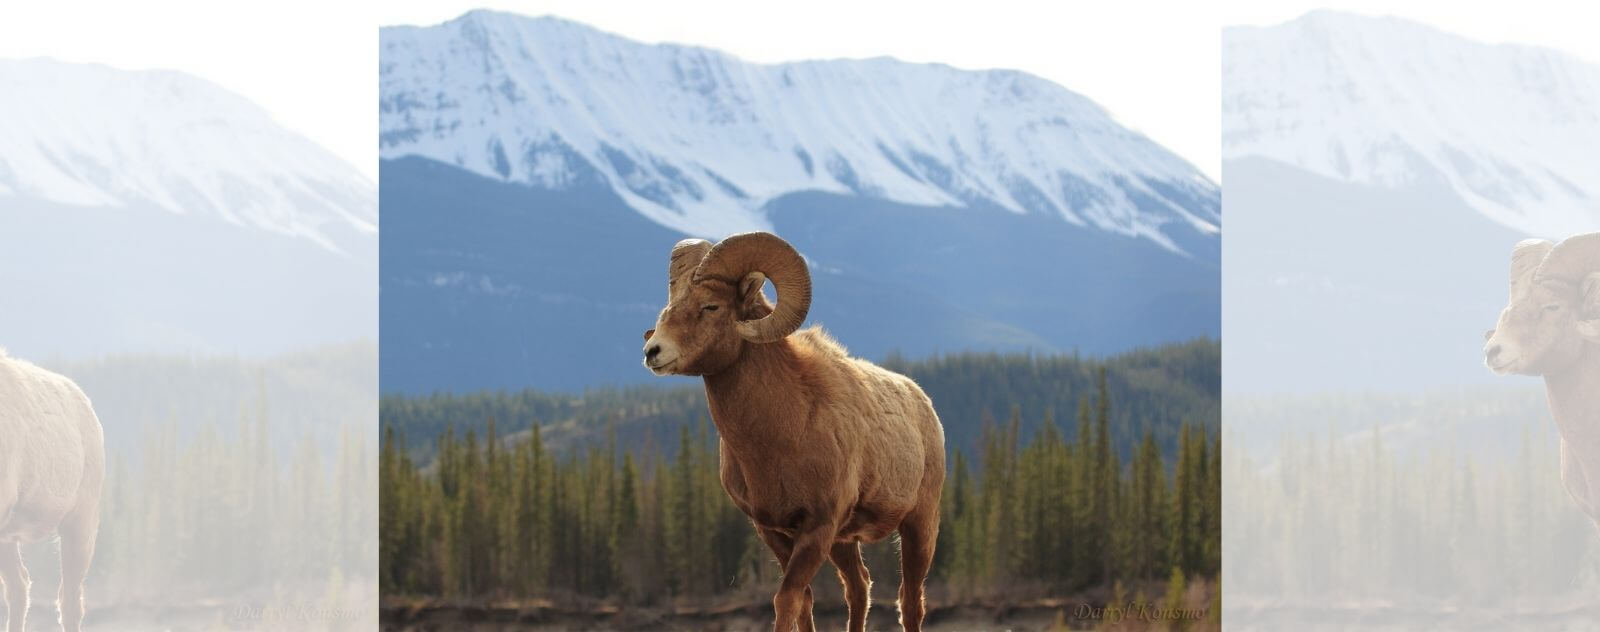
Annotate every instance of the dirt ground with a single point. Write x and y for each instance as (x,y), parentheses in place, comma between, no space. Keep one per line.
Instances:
(750,618)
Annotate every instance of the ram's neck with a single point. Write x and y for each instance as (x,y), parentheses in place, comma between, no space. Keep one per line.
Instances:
(762,401)
(1575,404)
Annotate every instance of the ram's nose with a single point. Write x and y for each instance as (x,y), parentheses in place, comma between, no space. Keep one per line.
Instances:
(1491,353)
(651,352)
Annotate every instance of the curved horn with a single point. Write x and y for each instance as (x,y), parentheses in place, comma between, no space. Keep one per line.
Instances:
(737,256)
(1572,259)
(686,256)
(1526,257)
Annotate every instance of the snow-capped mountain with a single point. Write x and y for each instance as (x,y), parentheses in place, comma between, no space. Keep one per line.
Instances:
(152,211)
(1379,173)
(700,141)
(535,172)
(1382,101)
(93,136)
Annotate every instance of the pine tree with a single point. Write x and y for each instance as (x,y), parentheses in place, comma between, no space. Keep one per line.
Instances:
(683,527)
(1174,598)
(391,507)
(1180,525)
(1104,480)
(1212,529)
(1086,514)
(625,530)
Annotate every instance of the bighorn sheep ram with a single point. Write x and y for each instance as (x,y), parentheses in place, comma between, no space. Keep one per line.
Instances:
(821,450)
(52,465)
(1552,328)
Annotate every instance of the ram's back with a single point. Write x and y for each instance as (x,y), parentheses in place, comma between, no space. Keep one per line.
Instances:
(887,425)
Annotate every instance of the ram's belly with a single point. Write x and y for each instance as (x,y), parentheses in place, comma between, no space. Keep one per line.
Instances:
(32,521)
(41,495)
(862,523)
(871,523)
(44,491)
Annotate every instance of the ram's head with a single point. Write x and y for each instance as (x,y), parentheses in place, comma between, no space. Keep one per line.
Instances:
(715,305)
(1554,308)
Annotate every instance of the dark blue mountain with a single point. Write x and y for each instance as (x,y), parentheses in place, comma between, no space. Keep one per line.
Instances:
(488,284)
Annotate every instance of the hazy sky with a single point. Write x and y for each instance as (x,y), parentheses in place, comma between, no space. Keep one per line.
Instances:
(1154,65)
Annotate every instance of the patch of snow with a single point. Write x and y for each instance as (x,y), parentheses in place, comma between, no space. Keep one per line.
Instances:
(91,135)
(700,141)
(1382,101)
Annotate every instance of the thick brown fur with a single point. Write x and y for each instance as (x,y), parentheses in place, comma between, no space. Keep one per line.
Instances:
(823,451)
(52,471)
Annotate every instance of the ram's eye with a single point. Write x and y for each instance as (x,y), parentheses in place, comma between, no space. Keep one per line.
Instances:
(710,308)
(1552,308)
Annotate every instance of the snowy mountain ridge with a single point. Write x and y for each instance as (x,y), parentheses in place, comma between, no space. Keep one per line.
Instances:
(90,135)
(1382,101)
(700,141)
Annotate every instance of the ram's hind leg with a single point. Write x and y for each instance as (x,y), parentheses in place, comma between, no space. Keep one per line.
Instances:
(857,582)
(783,547)
(14,576)
(918,533)
(78,531)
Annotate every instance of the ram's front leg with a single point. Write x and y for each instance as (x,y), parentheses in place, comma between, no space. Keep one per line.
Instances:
(810,548)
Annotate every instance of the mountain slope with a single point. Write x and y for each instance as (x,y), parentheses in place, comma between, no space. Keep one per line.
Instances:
(152,211)
(1382,101)
(554,288)
(1333,286)
(700,141)
(1156,390)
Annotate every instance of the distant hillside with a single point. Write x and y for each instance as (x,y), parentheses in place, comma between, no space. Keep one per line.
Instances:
(1155,389)
(312,393)
(1488,422)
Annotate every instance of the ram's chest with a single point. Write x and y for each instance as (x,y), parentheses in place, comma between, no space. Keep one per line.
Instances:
(757,487)
(788,494)
(779,492)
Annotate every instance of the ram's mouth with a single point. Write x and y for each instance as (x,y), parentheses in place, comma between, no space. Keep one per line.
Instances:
(661,369)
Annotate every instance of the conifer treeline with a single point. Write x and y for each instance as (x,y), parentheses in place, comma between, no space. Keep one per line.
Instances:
(1057,511)
(222,516)
(1355,520)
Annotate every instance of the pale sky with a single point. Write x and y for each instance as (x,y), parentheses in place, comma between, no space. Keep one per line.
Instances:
(1154,65)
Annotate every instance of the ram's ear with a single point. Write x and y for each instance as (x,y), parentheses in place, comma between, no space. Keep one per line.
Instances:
(750,296)
(1589,295)
(1589,314)
(1589,330)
